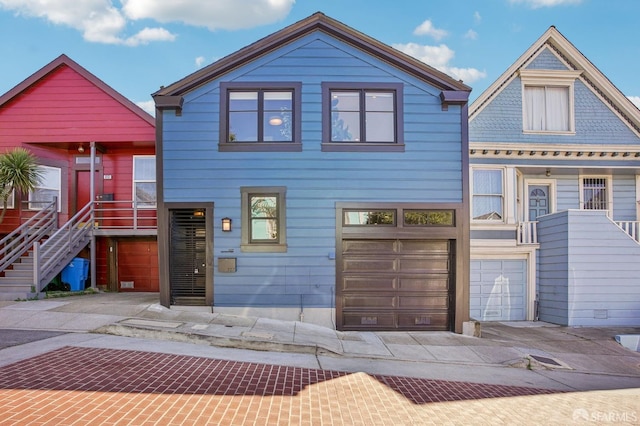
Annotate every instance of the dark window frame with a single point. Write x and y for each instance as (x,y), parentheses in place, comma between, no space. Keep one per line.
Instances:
(396,146)
(294,145)
(249,246)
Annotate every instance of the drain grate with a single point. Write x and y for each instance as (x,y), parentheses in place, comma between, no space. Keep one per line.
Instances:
(545,360)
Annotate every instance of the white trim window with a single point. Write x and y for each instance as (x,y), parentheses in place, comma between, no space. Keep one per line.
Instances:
(488,195)
(49,186)
(10,200)
(547,101)
(595,193)
(144,181)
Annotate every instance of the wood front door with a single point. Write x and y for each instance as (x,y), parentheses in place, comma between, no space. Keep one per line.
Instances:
(83,188)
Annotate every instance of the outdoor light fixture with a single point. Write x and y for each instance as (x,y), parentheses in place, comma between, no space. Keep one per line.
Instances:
(548,172)
(226,224)
(198,213)
(80,149)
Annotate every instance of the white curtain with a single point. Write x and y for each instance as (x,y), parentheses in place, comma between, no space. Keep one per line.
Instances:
(557,108)
(547,108)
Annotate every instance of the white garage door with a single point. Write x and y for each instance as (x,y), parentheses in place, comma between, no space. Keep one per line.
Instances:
(498,290)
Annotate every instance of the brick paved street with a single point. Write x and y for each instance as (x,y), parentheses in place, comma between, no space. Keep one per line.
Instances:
(74,385)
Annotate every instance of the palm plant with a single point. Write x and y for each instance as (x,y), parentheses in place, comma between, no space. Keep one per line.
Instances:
(19,171)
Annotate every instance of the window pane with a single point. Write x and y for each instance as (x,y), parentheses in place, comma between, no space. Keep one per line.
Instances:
(243,101)
(345,101)
(557,108)
(380,127)
(487,207)
(264,217)
(277,126)
(243,126)
(144,168)
(370,217)
(534,108)
(595,194)
(145,194)
(379,101)
(487,182)
(428,217)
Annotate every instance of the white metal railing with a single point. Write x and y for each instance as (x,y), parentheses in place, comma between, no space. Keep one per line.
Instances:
(631,227)
(125,215)
(527,232)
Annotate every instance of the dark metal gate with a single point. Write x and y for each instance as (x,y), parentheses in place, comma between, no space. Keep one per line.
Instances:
(188,257)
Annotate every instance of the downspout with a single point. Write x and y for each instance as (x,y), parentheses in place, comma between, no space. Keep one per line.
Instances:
(92,192)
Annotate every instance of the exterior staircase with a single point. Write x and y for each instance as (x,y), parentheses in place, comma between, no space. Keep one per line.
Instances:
(37,251)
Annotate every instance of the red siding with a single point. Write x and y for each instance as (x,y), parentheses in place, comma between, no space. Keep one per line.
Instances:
(63,106)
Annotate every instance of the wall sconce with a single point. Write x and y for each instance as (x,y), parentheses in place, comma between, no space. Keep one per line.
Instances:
(548,173)
(226,224)
(198,213)
(80,149)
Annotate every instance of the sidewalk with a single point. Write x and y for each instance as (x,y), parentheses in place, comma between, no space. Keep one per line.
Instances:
(530,354)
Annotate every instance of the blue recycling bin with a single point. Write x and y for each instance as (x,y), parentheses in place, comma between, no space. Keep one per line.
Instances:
(76,273)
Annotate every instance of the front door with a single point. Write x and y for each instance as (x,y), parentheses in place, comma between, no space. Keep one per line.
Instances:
(538,201)
(188,251)
(83,188)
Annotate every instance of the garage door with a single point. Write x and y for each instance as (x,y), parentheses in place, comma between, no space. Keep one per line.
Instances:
(395,284)
(138,265)
(498,290)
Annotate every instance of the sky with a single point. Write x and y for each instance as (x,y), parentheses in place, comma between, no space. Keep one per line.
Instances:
(137,46)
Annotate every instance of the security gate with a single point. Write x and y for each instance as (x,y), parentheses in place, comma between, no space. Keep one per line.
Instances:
(187,245)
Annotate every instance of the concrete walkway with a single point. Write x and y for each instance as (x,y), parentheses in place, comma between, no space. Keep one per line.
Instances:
(529,354)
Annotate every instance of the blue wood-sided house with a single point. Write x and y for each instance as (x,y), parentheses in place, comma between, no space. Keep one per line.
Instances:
(555,190)
(316,175)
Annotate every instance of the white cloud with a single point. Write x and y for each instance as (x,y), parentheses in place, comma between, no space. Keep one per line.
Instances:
(427,28)
(536,4)
(213,14)
(200,61)
(476,17)
(439,58)
(104,21)
(148,106)
(635,100)
(472,35)
(98,20)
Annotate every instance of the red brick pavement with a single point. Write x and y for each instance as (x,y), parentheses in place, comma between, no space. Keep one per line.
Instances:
(76,385)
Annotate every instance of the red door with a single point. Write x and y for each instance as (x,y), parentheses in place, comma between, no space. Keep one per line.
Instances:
(83,188)
(138,265)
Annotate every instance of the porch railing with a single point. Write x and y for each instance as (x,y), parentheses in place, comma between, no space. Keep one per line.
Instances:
(527,232)
(125,215)
(35,228)
(631,227)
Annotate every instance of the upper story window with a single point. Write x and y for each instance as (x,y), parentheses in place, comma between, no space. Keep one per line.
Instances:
(260,117)
(144,181)
(547,101)
(488,195)
(49,187)
(362,117)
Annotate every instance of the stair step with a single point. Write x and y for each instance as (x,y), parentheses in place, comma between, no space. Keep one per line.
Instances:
(15,287)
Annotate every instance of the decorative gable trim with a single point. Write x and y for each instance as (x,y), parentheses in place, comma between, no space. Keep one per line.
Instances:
(553,151)
(574,59)
(316,22)
(64,60)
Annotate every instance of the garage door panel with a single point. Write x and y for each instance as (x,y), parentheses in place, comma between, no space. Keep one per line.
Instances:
(499,290)
(369,246)
(427,283)
(374,264)
(137,265)
(424,246)
(369,320)
(438,265)
(368,283)
(369,301)
(423,300)
(424,321)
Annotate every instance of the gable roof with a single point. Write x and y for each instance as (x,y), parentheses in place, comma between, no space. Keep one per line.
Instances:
(589,74)
(64,60)
(316,22)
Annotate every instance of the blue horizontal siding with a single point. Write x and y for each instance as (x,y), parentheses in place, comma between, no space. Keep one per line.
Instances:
(430,169)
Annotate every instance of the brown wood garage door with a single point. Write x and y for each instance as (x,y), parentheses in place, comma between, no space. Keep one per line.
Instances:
(395,284)
(138,265)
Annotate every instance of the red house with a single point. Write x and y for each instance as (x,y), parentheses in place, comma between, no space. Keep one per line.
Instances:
(74,123)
